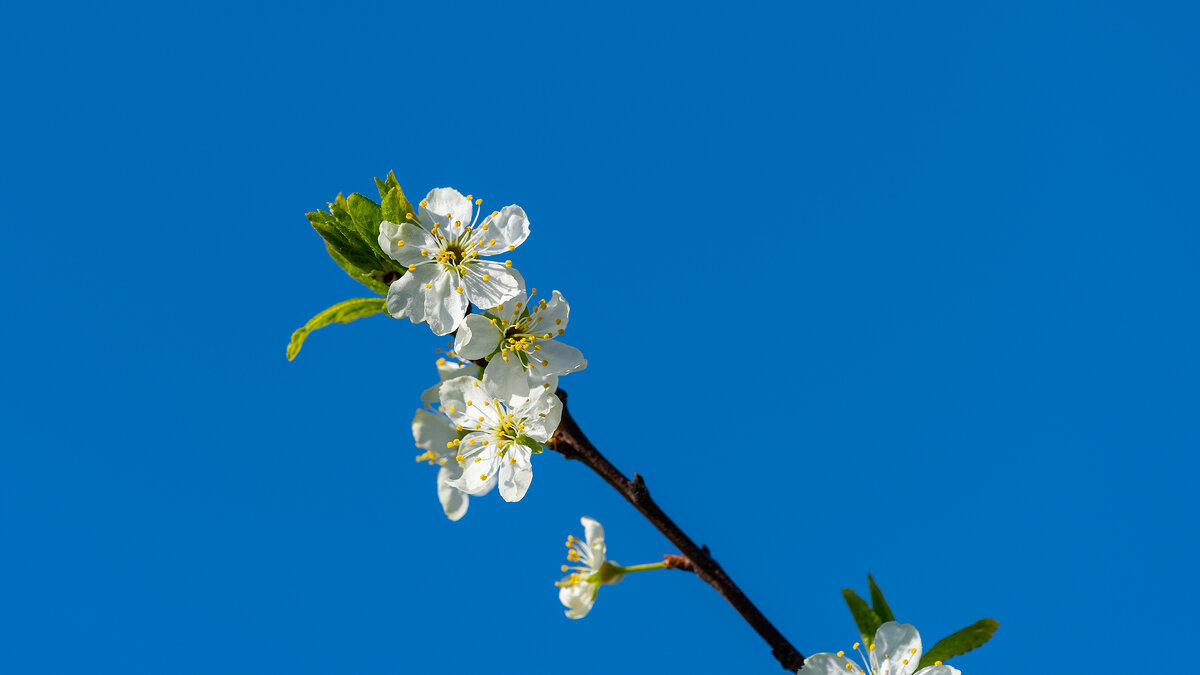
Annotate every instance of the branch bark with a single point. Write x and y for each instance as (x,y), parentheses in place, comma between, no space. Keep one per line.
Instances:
(570,441)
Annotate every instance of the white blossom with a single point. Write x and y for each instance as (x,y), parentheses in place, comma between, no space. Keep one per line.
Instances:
(435,434)
(502,435)
(442,249)
(518,338)
(577,591)
(897,651)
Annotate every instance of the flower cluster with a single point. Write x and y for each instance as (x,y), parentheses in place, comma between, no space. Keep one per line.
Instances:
(494,419)
(896,651)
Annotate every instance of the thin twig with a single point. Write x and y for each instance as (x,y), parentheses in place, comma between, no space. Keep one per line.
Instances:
(570,441)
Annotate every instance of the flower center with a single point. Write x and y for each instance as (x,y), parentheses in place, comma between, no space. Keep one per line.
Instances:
(451,255)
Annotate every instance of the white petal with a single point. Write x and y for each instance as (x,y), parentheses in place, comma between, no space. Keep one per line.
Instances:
(543,379)
(404,243)
(486,487)
(448,370)
(508,229)
(542,416)
(829,664)
(476,474)
(894,644)
(503,283)
(433,432)
(553,317)
(514,479)
(939,670)
(506,378)
(578,598)
(454,501)
(465,401)
(477,337)
(594,535)
(446,206)
(406,295)
(445,307)
(556,358)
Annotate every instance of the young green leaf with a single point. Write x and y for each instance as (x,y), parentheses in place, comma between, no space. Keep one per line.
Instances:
(878,603)
(960,642)
(340,210)
(366,216)
(395,207)
(358,275)
(385,186)
(343,240)
(343,312)
(867,620)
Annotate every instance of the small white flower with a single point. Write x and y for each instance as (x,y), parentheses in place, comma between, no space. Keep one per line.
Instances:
(897,651)
(442,251)
(437,437)
(577,591)
(502,435)
(519,337)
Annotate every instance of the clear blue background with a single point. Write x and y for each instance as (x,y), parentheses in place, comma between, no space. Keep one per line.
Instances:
(901,290)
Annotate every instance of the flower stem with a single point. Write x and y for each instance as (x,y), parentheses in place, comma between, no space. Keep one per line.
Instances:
(570,441)
(645,568)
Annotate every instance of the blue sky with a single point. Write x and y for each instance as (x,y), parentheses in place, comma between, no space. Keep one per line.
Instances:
(863,288)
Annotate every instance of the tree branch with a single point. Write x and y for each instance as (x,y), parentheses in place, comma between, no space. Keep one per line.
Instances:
(570,441)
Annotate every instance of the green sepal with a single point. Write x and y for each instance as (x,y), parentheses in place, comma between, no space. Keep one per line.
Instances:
(528,442)
(609,573)
(960,642)
(867,620)
(343,312)
(878,604)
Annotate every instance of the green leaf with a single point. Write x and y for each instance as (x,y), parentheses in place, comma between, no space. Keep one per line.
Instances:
(340,208)
(343,312)
(878,603)
(395,207)
(342,238)
(385,186)
(357,274)
(867,620)
(366,216)
(960,642)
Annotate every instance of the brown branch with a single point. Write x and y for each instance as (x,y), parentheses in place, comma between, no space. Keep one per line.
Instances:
(570,441)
